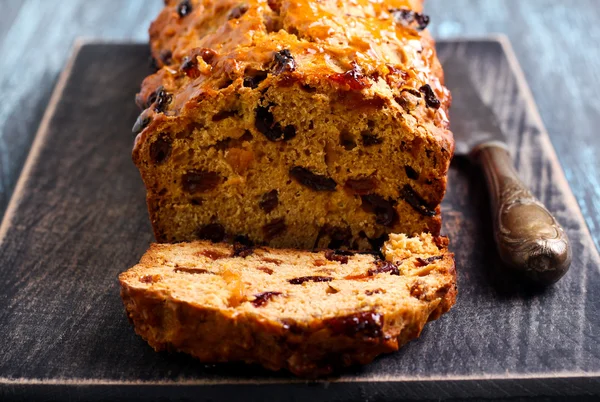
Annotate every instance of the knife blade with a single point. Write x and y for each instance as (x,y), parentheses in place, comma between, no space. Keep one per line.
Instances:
(472,121)
(528,237)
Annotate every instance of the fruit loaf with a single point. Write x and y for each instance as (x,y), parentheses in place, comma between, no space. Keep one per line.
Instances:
(307,312)
(299,124)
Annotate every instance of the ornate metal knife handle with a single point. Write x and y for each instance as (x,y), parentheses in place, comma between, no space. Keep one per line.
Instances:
(528,237)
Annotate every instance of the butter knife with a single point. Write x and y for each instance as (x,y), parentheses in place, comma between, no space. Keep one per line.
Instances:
(528,237)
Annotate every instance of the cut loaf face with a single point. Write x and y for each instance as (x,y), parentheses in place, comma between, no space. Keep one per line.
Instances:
(298,124)
(307,312)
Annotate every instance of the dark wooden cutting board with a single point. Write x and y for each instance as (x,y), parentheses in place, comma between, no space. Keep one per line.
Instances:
(78,218)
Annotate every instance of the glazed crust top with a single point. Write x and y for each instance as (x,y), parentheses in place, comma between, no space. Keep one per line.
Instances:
(377,47)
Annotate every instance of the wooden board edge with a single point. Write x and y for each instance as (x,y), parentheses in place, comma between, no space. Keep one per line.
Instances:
(353,379)
(39,140)
(567,389)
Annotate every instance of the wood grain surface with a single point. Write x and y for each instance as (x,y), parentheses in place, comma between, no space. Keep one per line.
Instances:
(78,218)
(556,42)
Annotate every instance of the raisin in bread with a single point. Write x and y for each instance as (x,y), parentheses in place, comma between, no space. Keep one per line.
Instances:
(298,123)
(308,312)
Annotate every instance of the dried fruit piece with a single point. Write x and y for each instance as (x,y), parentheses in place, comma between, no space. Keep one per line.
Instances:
(238,11)
(150,278)
(184,8)
(372,292)
(199,181)
(368,324)
(370,139)
(239,159)
(214,232)
(358,277)
(331,290)
(302,279)
(410,18)
(426,261)
(141,123)
(269,201)
(353,78)
(383,267)
(166,56)
(242,250)
(189,67)
(312,180)
(411,173)
(422,21)
(340,256)
(385,213)
(262,298)
(191,270)
(347,140)
(361,186)
(208,55)
(430,99)
(160,149)
(283,62)
(274,5)
(213,254)
(152,98)
(265,123)
(272,260)
(163,98)
(416,201)
(195,200)
(274,228)
(252,81)
(418,290)
(265,270)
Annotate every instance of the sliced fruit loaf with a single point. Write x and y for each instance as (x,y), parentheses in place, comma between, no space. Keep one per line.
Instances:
(308,312)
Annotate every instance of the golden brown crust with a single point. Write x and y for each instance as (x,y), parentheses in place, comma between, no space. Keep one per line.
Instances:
(307,312)
(326,38)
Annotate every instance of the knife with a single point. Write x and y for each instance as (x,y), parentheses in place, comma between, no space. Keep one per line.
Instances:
(528,237)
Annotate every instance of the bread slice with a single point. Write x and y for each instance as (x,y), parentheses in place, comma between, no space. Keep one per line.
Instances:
(308,312)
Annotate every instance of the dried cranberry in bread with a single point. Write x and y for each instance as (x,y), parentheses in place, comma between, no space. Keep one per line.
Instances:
(298,123)
(307,312)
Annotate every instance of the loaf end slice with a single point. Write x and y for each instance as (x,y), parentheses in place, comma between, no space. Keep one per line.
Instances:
(308,312)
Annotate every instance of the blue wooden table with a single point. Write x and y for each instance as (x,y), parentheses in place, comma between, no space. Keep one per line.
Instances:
(556,43)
